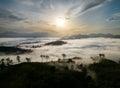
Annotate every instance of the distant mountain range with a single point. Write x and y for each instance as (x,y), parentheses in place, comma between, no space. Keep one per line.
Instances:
(79,36)
(45,34)
(15,34)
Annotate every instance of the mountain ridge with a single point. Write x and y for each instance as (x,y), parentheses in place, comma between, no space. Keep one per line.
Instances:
(17,34)
(80,36)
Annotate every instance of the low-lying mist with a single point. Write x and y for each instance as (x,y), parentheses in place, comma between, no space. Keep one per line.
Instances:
(84,48)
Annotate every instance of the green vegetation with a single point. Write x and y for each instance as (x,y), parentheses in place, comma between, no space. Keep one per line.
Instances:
(42,75)
(108,74)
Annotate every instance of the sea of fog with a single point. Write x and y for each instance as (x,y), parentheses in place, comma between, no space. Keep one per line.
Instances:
(84,48)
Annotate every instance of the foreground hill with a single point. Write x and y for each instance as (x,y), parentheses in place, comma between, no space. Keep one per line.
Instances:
(108,74)
(42,75)
(38,75)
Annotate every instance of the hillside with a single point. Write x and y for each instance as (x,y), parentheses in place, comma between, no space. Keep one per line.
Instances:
(42,75)
(13,50)
(38,75)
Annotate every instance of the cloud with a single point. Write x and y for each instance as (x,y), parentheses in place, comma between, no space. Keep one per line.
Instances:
(115,17)
(117,14)
(86,5)
(31,2)
(92,47)
(6,15)
(43,13)
(36,22)
(71,8)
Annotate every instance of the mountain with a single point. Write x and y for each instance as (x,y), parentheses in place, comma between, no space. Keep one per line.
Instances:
(16,34)
(79,36)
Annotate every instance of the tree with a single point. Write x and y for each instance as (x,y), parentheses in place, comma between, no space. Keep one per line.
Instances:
(18,59)
(11,62)
(41,57)
(47,57)
(28,59)
(70,61)
(2,66)
(8,61)
(63,55)
(102,56)
(59,59)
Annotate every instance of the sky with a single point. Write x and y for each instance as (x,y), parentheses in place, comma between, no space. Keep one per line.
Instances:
(60,17)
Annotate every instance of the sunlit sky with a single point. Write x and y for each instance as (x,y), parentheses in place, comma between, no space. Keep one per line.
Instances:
(63,17)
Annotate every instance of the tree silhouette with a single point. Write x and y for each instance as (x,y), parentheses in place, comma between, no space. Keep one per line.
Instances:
(11,62)
(8,61)
(102,56)
(47,57)
(28,59)
(70,61)
(59,59)
(2,65)
(63,55)
(41,57)
(18,59)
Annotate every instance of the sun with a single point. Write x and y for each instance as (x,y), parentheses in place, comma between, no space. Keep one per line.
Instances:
(60,22)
